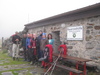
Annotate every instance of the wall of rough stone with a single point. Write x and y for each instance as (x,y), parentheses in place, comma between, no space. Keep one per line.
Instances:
(89,47)
(92,38)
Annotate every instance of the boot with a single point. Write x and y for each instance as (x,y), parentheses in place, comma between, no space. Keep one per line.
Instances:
(13,58)
(46,67)
(32,63)
(24,60)
(29,60)
(42,66)
(17,59)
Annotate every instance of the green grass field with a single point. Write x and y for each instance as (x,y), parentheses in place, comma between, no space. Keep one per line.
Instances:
(4,57)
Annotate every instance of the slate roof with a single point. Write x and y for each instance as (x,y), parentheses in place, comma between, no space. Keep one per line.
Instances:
(89,11)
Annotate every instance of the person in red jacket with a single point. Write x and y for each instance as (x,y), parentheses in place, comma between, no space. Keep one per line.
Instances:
(34,49)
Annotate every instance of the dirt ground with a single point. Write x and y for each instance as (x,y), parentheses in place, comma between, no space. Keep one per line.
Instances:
(10,67)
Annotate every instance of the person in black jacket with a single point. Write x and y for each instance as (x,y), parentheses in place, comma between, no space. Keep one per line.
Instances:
(38,43)
(15,49)
(24,46)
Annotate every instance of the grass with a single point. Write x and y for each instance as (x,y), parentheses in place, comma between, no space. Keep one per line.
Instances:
(4,51)
(4,56)
(91,73)
(13,71)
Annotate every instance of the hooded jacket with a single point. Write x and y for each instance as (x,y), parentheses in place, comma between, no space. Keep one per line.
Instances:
(23,42)
(14,37)
(28,42)
(50,54)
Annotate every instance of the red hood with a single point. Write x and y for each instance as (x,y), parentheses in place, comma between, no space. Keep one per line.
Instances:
(50,52)
(65,48)
(13,34)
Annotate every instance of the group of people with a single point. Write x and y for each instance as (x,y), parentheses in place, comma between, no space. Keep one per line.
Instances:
(34,46)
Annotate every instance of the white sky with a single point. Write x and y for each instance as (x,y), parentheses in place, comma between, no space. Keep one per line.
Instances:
(14,13)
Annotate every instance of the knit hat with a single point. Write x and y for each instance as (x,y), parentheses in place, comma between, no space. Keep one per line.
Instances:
(43,33)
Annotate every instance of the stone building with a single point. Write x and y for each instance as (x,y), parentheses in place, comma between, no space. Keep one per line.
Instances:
(79,28)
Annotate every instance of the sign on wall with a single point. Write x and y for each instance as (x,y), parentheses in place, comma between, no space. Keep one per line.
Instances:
(75,33)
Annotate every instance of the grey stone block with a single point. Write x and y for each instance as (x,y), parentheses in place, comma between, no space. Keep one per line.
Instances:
(69,47)
(90,45)
(89,27)
(7,73)
(87,31)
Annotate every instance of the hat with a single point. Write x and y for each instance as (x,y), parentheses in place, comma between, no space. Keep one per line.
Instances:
(43,33)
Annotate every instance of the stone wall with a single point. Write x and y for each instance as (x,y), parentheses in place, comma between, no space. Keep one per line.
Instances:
(89,47)
(92,38)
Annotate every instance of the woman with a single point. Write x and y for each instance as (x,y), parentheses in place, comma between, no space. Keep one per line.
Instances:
(51,41)
(34,49)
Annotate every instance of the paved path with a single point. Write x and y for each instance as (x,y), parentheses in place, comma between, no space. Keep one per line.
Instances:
(21,69)
(26,69)
(7,73)
(11,67)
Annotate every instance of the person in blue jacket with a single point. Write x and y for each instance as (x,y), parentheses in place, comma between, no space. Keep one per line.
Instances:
(28,46)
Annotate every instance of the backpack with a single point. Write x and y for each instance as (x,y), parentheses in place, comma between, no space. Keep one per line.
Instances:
(48,53)
(64,47)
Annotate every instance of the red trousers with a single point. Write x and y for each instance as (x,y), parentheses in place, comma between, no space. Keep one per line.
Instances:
(44,64)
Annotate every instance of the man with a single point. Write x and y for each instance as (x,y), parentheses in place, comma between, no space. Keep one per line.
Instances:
(38,43)
(28,46)
(15,49)
(43,43)
(24,46)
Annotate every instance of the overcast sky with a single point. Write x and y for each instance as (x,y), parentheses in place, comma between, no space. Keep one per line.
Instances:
(14,14)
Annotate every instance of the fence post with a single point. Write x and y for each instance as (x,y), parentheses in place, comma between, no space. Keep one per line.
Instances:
(2,42)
